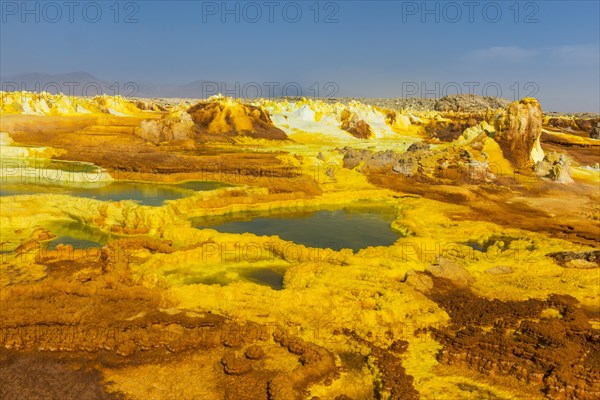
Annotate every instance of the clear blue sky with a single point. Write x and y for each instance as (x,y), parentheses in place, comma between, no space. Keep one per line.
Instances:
(376,48)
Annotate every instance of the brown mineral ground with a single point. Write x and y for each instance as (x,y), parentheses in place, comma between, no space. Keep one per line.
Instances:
(548,344)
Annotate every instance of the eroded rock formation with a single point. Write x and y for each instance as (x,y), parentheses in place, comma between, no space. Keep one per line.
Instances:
(556,167)
(176,126)
(359,128)
(595,132)
(419,162)
(518,130)
(229,118)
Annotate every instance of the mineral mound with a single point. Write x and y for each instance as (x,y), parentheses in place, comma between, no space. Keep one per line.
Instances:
(229,118)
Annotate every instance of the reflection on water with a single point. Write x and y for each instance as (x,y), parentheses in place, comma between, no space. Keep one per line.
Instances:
(76,242)
(76,234)
(46,168)
(150,194)
(353,227)
(476,246)
(261,276)
(268,277)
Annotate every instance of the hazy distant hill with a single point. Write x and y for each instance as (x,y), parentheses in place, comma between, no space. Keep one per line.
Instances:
(85,84)
(73,83)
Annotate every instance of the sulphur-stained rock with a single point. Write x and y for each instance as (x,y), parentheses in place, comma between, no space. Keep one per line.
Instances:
(453,125)
(381,161)
(419,281)
(359,128)
(44,103)
(234,365)
(393,381)
(317,362)
(582,122)
(28,246)
(353,157)
(561,171)
(451,164)
(417,146)
(398,120)
(176,126)
(556,167)
(225,117)
(254,352)
(499,270)
(469,103)
(42,234)
(149,106)
(567,258)
(5,139)
(132,244)
(595,132)
(450,270)
(518,129)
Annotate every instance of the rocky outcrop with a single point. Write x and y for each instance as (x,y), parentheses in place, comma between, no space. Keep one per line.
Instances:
(451,271)
(147,105)
(359,128)
(595,132)
(518,129)
(234,365)
(418,146)
(254,352)
(452,126)
(584,123)
(177,126)
(564,258)
(457,102)
(420,163)
(229,118)
(317,363)
(469,103)
(556,167)
(5,139)
(353,157)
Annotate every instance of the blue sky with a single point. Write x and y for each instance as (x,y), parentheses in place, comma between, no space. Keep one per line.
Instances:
(374,48)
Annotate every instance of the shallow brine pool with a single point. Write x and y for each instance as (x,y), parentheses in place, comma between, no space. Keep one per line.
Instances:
(149,194)
(355,227)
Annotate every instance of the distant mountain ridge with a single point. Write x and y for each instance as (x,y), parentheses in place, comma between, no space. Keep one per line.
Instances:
(79,75)
(72,83)
(82,83)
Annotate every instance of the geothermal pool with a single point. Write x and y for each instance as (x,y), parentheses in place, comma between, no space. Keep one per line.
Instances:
(149,194)
(272,277)
(355,227)
(76,234)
